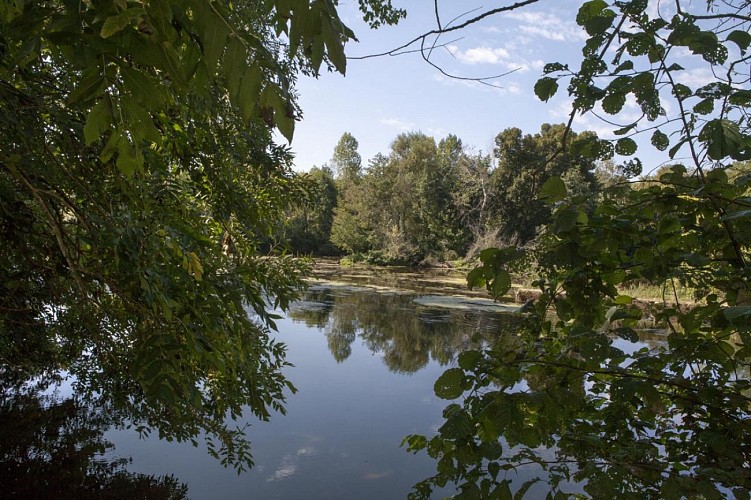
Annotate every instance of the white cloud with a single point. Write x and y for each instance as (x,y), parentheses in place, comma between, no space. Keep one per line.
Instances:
(398,123)
(499,55)
(513,88)
(556,36)
(697,77)
(491,29)
(479,55)
(437,132)
(537,64)
(548,26)
(501,87)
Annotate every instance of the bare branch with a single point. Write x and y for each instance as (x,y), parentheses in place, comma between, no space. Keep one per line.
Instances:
(441,31)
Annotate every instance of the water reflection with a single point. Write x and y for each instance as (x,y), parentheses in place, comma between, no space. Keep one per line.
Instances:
(406,334)
(53,446)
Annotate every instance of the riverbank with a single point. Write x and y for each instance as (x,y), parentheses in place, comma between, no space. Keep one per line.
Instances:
(450,281)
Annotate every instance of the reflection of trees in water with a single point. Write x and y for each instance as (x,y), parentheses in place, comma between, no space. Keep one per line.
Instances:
(407,335)
(52,447)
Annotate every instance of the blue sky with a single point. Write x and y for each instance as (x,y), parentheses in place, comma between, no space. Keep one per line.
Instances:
(382,97)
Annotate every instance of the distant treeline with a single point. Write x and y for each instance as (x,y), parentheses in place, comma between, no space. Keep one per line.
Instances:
(428,201)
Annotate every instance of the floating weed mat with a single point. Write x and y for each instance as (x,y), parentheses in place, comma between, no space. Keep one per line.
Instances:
(465,303)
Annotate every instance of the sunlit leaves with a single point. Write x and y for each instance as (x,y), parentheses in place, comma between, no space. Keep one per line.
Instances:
(379,12)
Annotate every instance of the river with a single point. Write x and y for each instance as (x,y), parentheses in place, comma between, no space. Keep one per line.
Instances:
(365,357)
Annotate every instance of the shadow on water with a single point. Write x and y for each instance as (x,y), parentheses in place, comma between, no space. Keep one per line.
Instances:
(397,326)
(53,446)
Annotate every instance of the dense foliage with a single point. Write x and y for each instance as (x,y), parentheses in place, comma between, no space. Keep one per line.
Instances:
(576,391)
(429,201)
(138,181)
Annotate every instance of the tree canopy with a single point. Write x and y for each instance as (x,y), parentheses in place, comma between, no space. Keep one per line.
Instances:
(138,180)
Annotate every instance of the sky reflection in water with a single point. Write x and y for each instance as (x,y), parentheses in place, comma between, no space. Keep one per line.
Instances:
(364,364)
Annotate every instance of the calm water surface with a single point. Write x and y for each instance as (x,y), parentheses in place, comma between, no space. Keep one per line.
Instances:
(364,366)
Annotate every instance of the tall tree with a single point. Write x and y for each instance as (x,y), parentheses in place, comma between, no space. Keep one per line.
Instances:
(525,163)
(308,225)
(346,161)
(349,230)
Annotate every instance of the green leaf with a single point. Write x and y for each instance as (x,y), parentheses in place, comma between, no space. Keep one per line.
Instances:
(676,148)
(317,51)
(741,38)
(722,138)
(588,10)
(553,190)
(613,103)
(660,140)
(545,88)
(681,91)
(624,66)
(519,495)
(458,423)
(476,278)
(501,283)
(598,24)
(566,220)
(622,300)
(250,90)
(705,106)
(143,88)
(625,146)
(283,115)
(285,119)
(627,334)
(88,89)
(214,40)
(114,24)
(233,66)
(489,255)
(98,121)
(450,385)
(625,130)
(335,48)
(139,122)
(469,360)
(553,67)
(740,98)
(741,214)
(128,158)
(735,312)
